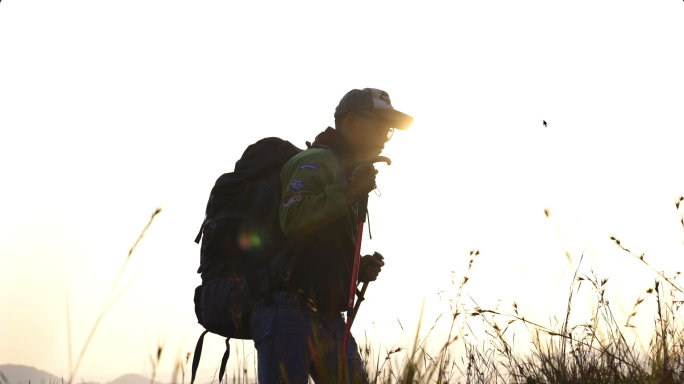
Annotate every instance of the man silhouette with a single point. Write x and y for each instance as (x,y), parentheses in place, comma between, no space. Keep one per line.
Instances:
(299,331)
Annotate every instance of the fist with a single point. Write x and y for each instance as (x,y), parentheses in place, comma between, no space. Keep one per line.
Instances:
(369,268)
(362,181)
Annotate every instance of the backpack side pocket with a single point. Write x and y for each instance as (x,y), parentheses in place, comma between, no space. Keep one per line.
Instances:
(198,304)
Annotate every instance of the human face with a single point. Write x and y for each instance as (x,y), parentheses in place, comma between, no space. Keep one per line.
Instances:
(374,131)
(379,126)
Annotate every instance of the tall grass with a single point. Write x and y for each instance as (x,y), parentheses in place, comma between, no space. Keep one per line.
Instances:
(107,306)
(594,351)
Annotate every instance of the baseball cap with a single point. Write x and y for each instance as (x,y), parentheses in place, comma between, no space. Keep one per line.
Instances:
(376,100)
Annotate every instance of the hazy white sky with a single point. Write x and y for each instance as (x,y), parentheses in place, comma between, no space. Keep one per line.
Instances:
(110,109)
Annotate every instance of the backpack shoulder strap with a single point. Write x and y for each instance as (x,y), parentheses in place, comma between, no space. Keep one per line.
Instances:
(341,174)
(272,274)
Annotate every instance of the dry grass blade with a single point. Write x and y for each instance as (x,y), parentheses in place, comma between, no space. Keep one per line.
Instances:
(412,367)
(130,252)
(641,257)
(107,305)
(155,359)
(594,352)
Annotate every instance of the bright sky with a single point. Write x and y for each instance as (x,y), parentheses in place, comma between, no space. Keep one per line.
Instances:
(110,109)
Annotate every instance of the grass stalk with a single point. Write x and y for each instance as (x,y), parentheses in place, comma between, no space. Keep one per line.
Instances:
(107,304)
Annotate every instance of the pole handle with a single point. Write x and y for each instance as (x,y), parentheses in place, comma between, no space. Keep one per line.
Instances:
(363,201)
(372,160)
(361,293)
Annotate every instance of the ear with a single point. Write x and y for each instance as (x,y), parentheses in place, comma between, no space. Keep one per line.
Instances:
(350,121)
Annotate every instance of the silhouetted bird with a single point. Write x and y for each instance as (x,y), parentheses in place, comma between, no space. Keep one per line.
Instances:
(545,124)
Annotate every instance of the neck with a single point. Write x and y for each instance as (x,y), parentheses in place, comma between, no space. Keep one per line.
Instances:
(340,143)
(355,147)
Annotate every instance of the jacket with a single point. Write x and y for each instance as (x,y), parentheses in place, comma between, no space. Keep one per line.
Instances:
(315,212)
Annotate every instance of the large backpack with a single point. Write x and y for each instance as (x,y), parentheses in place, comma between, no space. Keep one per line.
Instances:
(242,256)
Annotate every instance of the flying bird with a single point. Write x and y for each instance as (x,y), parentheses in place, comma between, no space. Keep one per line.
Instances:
(544,121)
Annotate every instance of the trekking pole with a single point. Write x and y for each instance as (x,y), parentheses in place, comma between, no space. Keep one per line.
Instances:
(363,207)
(361,293)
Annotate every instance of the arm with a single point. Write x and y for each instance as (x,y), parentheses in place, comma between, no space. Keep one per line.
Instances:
(312,197)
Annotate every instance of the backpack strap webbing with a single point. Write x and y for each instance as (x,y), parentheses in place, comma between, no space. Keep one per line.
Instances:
(196,357)
(272,274)
(224,360)
(198,354)
(199,235)
(215,218)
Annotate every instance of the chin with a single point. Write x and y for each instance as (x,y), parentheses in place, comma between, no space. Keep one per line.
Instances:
(373,152)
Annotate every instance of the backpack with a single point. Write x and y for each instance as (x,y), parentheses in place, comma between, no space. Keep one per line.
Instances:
(243,248)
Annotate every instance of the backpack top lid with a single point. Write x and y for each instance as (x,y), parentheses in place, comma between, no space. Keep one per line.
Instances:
(261,160)
(258,161)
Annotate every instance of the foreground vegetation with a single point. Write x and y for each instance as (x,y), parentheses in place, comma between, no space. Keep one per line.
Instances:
(598,350)
(594,351)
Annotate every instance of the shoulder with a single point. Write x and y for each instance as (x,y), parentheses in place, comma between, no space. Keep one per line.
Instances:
(314,159)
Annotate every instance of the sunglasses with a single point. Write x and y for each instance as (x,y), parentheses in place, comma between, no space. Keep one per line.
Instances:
(384,123)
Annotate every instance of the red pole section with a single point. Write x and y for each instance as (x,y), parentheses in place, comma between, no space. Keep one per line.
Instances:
(352,295)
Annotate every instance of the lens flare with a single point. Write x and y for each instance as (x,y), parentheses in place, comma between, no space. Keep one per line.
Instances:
(247,241)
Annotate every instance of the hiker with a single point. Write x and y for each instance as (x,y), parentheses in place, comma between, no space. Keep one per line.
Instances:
(299,330)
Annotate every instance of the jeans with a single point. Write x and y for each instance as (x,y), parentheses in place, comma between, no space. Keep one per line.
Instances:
(293,341)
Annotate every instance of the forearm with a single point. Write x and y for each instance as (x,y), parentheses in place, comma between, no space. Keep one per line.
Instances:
(304,213)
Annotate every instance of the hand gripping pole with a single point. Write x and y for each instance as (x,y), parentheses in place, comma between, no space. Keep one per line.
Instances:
(363,207)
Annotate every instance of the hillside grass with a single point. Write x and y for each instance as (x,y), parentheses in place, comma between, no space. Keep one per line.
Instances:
(593,351)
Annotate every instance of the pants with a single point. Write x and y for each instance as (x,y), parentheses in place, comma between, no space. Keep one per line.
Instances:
(292,342)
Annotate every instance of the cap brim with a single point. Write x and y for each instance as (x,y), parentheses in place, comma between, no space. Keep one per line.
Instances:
(399,120)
